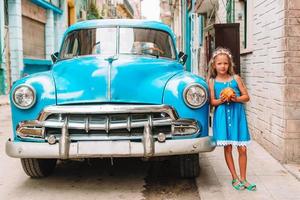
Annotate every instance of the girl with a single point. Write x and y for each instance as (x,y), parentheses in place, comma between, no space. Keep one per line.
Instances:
(229,123)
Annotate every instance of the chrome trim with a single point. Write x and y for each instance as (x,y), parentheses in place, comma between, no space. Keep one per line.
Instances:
(102,137)
(64,141)
(129,123)
(90,149)
(86,125)
(105,109)
(30,132)
(186,90)
(118,40)
(148,141)
(110,60)
(33,91)
(109,81)
(106,126)
(150,121)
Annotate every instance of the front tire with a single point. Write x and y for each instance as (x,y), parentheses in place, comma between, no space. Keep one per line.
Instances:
(189,165)
(38,168)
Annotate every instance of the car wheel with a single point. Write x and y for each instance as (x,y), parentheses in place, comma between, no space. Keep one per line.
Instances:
(189,165)
(38,168)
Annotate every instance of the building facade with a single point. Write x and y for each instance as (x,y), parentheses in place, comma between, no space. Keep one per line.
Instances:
(269,54)
(4,70)
(30,32)
(186,24)
(117,9)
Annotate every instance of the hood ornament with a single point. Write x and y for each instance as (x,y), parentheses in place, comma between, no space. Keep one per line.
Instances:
(111,59)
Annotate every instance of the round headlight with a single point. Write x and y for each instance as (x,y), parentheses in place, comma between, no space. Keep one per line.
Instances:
(195,95)
(24,96)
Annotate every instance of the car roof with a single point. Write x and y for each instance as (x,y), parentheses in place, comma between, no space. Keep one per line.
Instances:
(121,22)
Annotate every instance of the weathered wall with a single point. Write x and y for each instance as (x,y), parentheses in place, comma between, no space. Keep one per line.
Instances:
(292,86)
(272,77)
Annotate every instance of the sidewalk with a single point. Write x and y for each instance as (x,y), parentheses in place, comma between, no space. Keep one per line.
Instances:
(273,180)
(4,100)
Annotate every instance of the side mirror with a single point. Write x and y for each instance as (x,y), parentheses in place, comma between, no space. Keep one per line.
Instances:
(180,54)
(182,57)
(54,57)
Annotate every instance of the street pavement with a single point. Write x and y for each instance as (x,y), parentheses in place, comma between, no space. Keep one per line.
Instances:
(4,100)
(95,179)
(273,180)
(134,179)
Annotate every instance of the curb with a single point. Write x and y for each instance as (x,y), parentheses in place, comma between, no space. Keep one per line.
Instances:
(293,169)
(4,100)
(4,104)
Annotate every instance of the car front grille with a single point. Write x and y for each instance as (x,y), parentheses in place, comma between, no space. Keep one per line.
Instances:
(108,126)
(106,122)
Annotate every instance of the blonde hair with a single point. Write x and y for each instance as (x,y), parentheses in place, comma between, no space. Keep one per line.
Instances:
(212,72)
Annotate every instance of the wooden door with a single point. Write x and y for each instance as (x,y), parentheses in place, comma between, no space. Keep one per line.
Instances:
(228,36)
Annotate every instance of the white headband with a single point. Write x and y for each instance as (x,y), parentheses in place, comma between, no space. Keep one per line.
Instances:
(222,51)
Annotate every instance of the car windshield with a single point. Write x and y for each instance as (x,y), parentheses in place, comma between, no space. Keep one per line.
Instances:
(103,41)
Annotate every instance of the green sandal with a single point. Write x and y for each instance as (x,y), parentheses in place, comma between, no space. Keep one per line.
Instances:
(250,187)
(237,186)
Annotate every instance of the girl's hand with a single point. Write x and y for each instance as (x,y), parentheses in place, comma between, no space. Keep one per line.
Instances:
(233,98)
(223,99)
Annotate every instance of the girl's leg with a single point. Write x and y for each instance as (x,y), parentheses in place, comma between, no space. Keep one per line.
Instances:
(243,161)
(243,168)
(229,161)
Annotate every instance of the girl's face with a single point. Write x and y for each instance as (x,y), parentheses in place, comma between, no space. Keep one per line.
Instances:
(221,64)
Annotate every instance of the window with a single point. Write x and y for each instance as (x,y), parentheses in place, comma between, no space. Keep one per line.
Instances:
(6,12)
(230,11)
(103,41)
(33,29)
(241,12)
(245,18)
(90,41)
(146,42)
(33,38)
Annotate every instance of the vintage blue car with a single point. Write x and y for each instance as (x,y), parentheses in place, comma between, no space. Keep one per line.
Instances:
(117,88)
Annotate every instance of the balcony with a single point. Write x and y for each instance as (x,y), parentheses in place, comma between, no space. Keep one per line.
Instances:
(205,6)
(125,8)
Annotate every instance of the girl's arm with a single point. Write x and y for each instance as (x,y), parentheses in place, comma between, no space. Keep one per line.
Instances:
(213,100)
(244,93)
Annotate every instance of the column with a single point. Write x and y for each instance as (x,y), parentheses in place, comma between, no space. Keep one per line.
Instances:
(15,38)
(49,34)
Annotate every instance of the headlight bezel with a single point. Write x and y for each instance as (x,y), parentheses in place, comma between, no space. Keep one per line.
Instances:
(33,92)
(187,89)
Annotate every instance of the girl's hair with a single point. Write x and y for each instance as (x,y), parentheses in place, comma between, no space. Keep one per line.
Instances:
(212,72)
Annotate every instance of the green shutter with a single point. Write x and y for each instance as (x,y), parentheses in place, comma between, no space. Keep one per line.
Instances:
(2,85)
(245,24)
(230,11)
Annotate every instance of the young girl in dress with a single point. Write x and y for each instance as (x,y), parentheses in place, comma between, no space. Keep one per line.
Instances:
(229,121)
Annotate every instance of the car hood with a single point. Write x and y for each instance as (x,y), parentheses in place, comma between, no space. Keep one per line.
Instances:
(131,79)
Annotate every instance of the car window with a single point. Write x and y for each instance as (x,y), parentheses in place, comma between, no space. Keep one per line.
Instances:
(103,41)
(71,46)
(90,41)
(146,42)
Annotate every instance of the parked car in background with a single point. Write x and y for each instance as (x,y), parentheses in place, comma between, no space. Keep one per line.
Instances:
(117,88)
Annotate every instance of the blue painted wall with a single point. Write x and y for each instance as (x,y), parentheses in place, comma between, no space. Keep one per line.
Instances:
(188,32)
(32,66)
(2,71)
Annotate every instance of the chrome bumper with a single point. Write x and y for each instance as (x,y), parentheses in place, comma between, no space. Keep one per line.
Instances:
(146,144)
(90,149)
